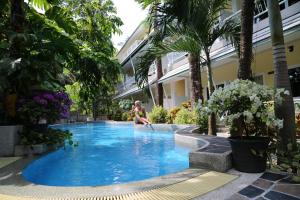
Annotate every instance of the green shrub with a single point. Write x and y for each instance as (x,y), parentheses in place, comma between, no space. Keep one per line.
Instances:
(184,116)
(127,116)
(202,119)
(50,137)
(117,115)
(124,116)
(126,104)
(158,115)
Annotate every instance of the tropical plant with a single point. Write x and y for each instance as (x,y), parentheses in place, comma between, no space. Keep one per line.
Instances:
(245,54)
(289,161)
(283,110)
(173,113)
(47,105)
(157,60)
(37,48)
(52,137)
(158,115)
(127,116)
(193,27)
(247,101)
(126,104)
(202,117)
(185,116)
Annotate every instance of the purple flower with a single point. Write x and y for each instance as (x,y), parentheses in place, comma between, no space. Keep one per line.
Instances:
(64,114)
(39,100)
(49,96)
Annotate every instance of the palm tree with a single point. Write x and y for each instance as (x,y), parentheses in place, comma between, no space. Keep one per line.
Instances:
(201,16)
(159,98)
(244,70)
(194,22)
(184,40)
(286,110)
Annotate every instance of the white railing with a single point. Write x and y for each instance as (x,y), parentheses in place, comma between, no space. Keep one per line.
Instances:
(128,83)
(174,57)
(261,9)
(133,47)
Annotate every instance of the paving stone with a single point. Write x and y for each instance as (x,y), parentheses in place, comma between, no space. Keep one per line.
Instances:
(292,189)
(237,197)
(251,191)
(272,176)
(272,195)
(262,183)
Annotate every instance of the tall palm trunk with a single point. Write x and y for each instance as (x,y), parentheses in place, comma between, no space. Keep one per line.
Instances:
(212,122)
(244,71)
(286,110)
(159,87)
(194,63)
(16,15)
(17,18)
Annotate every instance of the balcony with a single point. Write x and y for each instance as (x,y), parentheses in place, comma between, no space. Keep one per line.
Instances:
(290,11)
(131,49)
(126,85)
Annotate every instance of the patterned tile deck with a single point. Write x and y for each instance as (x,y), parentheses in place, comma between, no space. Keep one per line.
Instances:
(269,186)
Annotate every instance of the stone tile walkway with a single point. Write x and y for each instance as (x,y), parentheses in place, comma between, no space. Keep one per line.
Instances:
(270,186)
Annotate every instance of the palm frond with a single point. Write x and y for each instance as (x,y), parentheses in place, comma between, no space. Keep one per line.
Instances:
(40,4)
(230,31)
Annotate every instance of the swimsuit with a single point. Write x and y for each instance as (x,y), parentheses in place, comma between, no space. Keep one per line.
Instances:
(141,114)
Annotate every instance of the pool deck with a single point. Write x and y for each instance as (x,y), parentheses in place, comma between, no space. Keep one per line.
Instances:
(235,185)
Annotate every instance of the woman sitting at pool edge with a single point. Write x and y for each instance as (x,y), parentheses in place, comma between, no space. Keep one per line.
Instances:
(140,114)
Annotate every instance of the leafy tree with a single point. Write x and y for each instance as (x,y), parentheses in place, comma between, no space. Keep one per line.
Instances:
(37,47)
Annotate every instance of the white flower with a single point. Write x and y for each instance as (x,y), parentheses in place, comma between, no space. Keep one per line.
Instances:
(286,92)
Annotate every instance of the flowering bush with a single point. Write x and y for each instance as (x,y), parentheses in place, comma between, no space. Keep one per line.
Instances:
(44,105)
(172,114)
(243,105)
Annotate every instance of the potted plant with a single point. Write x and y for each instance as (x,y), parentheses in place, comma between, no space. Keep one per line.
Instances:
(243,105)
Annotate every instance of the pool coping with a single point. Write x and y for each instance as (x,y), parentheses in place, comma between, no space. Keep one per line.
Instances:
(13,183)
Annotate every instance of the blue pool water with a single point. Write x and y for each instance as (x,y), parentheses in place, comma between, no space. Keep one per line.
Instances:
(108,154)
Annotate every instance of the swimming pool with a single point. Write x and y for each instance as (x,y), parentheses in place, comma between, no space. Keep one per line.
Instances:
(108,154)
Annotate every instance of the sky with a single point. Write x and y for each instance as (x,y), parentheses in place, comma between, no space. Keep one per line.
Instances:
(132,15)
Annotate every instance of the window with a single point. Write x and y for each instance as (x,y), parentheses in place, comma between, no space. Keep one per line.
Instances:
(259,79)
(291,2)
(294,75)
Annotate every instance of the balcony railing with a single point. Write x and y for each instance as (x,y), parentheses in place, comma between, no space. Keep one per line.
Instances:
(261,8)
(174,57)
(126,85)
(133,47)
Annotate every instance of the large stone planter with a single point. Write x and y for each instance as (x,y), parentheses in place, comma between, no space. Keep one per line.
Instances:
(37,149)
(9,137)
